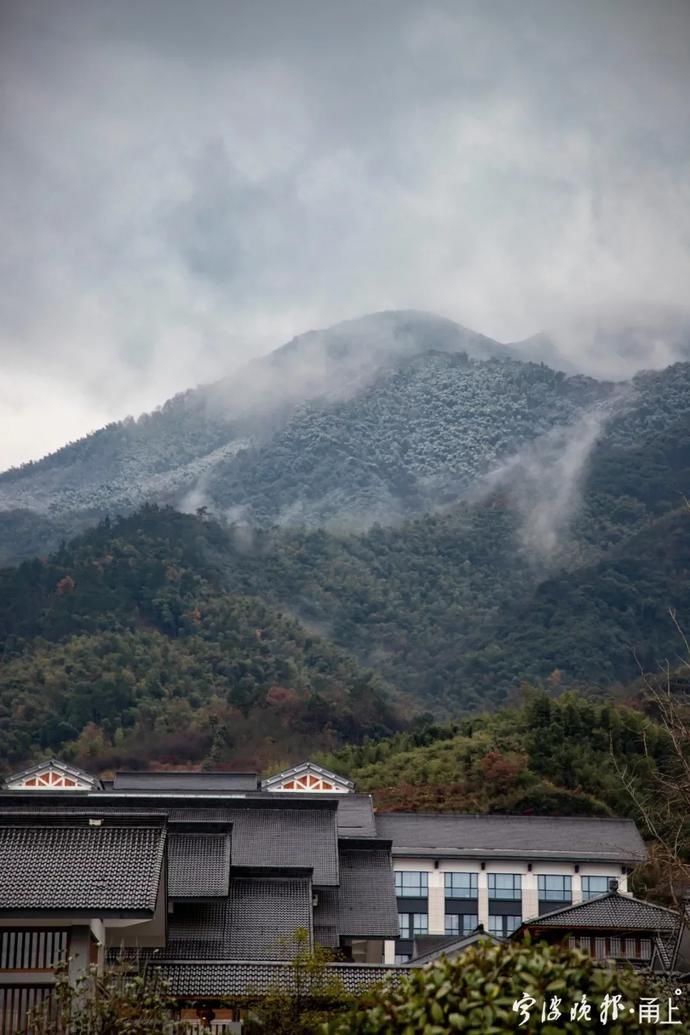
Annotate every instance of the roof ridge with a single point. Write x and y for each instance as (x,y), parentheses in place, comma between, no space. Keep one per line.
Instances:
(510,815)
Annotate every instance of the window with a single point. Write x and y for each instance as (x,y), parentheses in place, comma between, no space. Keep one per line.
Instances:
(503,926)
(505,885)
(402,957)
(461,923)
(411,884)
(412,924)
(461,885)
(555,888)
(593,886)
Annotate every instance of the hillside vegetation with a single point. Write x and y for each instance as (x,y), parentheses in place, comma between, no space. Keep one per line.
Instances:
(123,648)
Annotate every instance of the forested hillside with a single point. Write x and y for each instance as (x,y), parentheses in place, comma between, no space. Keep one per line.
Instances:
(534,528)
(547,756)
(123,648)
(376,419)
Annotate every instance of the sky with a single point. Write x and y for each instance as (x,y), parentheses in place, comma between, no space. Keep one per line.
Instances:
(185,186)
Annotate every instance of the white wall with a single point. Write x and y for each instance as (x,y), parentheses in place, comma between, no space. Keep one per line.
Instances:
(530,892)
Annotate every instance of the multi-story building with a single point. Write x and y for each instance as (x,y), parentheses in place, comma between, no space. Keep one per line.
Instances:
(207,876)
(455,872)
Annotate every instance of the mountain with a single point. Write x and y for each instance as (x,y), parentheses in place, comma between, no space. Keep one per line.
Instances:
(125,647)
(395,516)
(379,418)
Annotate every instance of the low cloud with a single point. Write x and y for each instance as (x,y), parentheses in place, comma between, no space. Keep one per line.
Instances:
(186,189)
(544,481)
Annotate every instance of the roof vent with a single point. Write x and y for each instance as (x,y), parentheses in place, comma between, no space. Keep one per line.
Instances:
(613,885)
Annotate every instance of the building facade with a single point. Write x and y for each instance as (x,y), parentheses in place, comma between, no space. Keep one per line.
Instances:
(456,872)
(207,877)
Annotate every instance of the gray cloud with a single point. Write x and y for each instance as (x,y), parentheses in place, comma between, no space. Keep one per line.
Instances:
(184,187)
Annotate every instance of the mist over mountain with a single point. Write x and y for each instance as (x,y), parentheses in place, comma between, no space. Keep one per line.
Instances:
(377,419)
(395,510)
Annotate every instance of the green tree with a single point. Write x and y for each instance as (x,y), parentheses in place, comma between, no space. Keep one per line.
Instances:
(476,992)
(115,1001)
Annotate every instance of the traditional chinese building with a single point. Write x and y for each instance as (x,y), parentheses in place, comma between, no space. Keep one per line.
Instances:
(206,877)
(621,929)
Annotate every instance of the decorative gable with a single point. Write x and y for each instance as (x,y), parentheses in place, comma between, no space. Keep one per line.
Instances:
(310,778)
(52,775)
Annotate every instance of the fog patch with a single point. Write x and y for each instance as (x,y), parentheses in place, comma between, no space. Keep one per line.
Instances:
(543,482)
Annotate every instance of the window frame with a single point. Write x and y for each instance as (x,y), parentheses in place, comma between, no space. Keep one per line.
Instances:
(412,928)
(587,895)
(546,894)
(502,920)
(472,890)
(463,928)
(516,879)
(421,890)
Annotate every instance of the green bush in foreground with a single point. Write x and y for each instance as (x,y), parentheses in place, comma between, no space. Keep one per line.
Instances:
(475,993)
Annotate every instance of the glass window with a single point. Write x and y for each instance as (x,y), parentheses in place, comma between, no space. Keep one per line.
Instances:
(503,926)
(411,884)
(555,888)
(402,957)
(593,886)
(461,923)
(413,923)
(505,885)
(461,885)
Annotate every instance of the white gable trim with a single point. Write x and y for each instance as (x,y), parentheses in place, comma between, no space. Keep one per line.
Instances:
(52,775)
(308,778)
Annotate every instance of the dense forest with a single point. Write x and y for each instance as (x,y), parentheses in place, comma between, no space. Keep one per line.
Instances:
(172,638)
(382,419)
(539,534)
(123,648)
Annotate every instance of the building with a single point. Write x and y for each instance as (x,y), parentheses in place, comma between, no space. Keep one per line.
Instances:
(206,877)
(454,872)
(618,928)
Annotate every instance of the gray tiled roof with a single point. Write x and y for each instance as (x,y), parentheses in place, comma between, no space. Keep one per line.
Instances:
(611,911)
(543,837)
(356,816)
(199,931)
(326,918)
(305,837)
(80,868)
(199,814)
(446,945)
(366,899)
(265,914)
(198,865)
(167,781)
(243,979)
(258,920)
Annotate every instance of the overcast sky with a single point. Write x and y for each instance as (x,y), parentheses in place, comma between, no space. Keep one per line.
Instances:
(186,185)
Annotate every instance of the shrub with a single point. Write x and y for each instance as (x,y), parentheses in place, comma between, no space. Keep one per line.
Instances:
(475,993)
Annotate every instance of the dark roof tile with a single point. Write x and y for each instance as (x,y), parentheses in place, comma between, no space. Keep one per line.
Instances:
(244,979)
(169,781)
(265,914)
(198,865)
(287,837)
(544,837)
(612,911)
(366,897)
(96,869)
